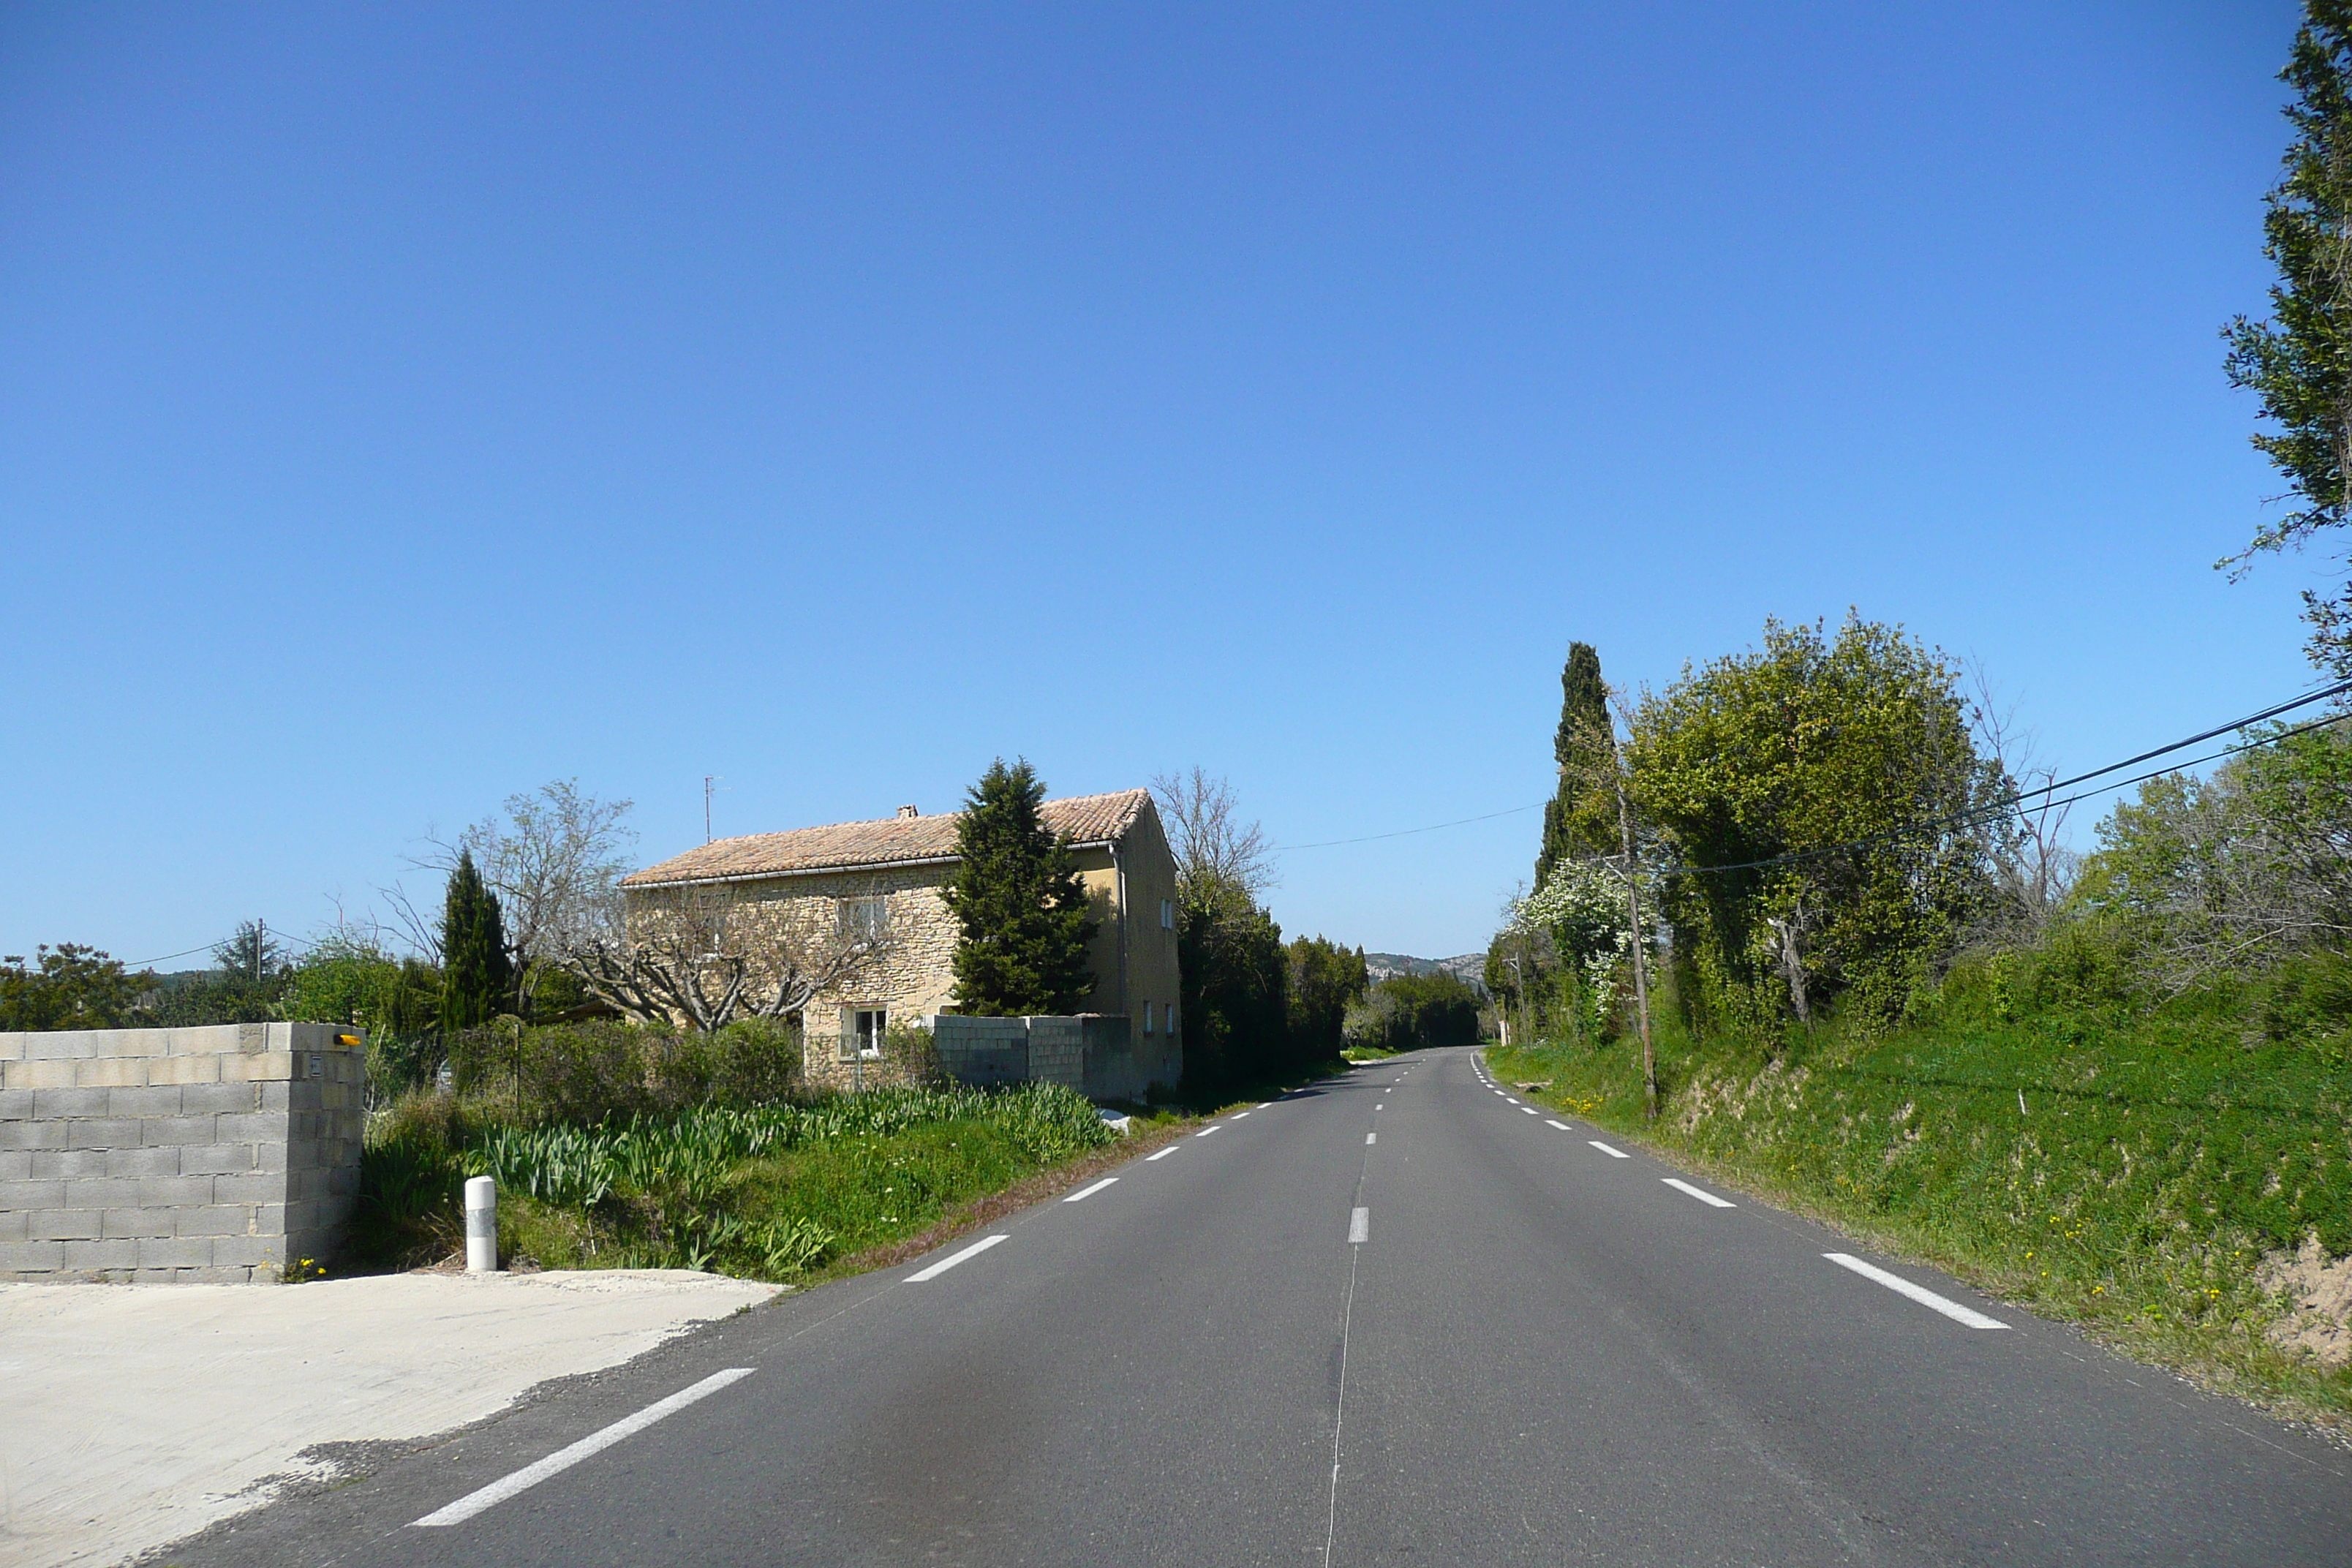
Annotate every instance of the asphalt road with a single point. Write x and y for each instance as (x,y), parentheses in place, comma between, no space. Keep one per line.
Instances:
(1476,1339)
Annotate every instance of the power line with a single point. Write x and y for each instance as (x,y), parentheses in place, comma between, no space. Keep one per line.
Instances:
(1408,832)
(2005,808)
(2011,806)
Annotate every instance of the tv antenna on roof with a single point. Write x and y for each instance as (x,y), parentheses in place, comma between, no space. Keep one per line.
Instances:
(709,781)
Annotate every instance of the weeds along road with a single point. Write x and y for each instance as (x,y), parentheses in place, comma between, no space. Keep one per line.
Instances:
(1519,1346)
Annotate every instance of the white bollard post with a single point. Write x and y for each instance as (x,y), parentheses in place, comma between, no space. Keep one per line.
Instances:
(482,1225)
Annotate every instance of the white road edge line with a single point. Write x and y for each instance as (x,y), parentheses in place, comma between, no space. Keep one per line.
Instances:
(1563,1126)
(1163,1154)
(1372,1137)
(952,1258)
(1088,1191)
(1701,1194)
(1239,1114)
(1204,1131)
(1613,1154)
(1529,1109)
(530,1475)
(1919,1293)
(1359,1228)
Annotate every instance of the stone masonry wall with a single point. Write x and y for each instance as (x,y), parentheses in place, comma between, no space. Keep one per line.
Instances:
(216,1154)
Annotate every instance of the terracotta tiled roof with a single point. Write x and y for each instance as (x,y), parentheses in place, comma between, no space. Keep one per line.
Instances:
(894,840)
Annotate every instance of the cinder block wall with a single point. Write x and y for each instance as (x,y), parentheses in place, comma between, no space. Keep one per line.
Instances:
(1057,1051)
(216,1155)
(1094,1053)
(980,1051)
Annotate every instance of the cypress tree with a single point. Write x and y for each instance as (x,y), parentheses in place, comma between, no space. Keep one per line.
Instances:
(476,978)
(1019,901)
(1575,822)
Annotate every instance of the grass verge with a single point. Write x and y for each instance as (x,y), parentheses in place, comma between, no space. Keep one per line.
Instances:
(2147,1181)
(792,1191)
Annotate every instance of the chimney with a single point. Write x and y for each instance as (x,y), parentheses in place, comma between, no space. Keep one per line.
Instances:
(908,811)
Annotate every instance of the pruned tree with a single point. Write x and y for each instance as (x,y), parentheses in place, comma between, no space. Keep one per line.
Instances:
(703,956)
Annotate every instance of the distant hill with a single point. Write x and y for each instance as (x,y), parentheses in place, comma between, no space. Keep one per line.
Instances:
(1470,967)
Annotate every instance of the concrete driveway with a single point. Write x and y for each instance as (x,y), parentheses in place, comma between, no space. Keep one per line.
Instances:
(139,1413)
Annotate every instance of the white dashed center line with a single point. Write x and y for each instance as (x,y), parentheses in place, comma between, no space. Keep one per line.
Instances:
(1088,1191)
(1359,1228)
(1918,1293)
(1372,1137)
(1613,1154)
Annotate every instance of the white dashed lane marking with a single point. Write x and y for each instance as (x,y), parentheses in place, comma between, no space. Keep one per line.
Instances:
(1088,1191)
(1613,1154)
(1919,1293)
(952,1258)
(529,1476)
(1163,1154)
(1701,1194)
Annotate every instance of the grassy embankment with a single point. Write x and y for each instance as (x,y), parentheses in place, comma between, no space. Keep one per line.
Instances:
(2146,1175)
(787,1191)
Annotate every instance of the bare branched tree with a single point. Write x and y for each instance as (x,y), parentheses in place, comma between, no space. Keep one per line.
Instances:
(2033,868)
(2241,869)
(1220,859)
(554,862)
(704,956)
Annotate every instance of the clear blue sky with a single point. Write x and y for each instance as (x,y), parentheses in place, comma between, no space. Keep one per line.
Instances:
(401,406)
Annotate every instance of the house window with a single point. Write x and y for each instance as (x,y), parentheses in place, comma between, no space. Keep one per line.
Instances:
(865,919)
(865,1034)
(1147,1017)
(1171,1017)
(1167,914)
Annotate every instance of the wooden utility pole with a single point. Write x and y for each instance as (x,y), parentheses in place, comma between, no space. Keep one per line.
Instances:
(1641,936)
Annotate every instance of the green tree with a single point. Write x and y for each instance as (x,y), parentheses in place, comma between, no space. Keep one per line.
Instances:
(1847,765)
(2299,362)
(1577,821)
(247,984)
(1236,1002)
(1323,978)
(1019,901)
(476,976)
(68,986)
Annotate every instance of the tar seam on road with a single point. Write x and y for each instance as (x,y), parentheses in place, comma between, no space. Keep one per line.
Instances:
(1919,1293)
(951,1259)
(1613,1153)
(1701,1194)
(1359,1226)
(1089,1191)
(530,1475)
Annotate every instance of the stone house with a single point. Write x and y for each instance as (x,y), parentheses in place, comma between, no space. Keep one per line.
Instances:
(888,874)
